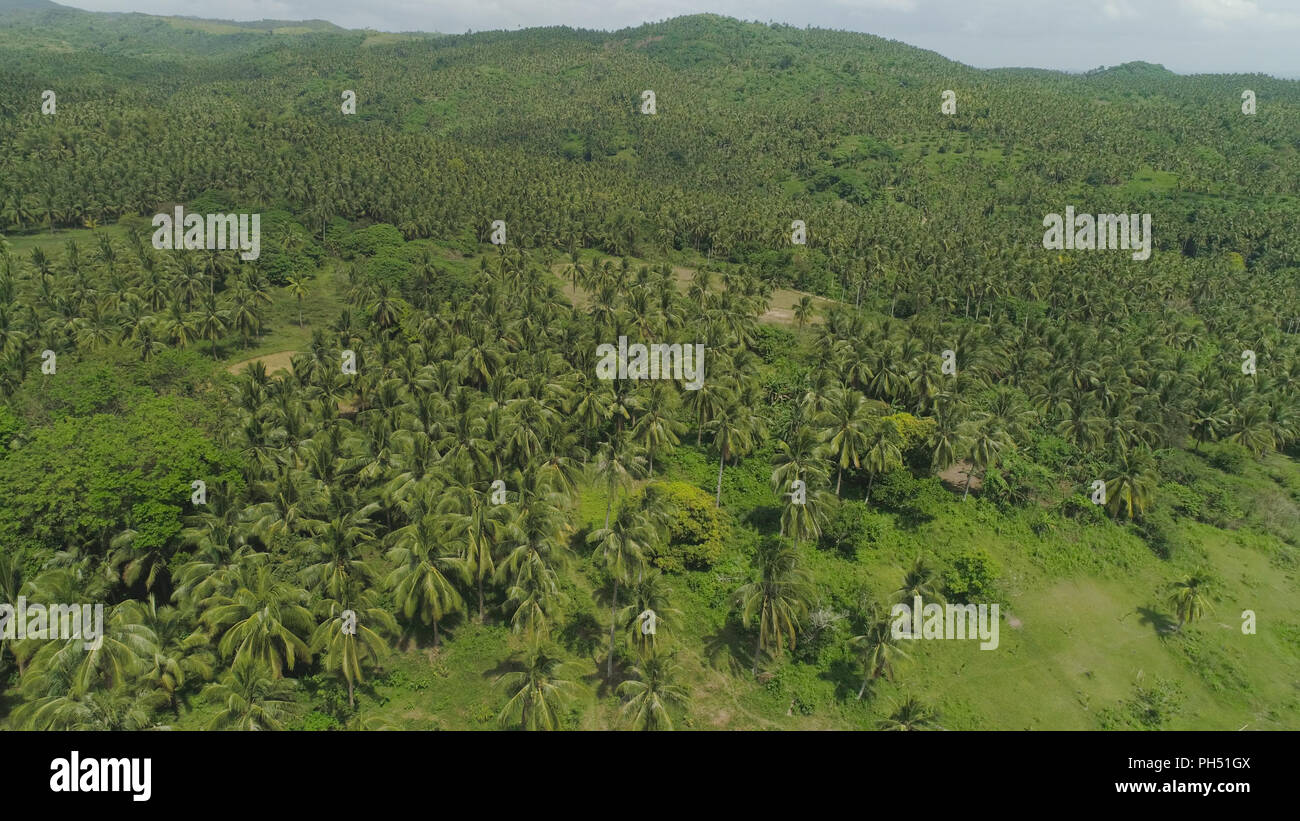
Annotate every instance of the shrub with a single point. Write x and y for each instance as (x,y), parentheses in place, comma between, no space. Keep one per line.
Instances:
(1160,533)
(697,531)
(369,240)
(1079,506)
(907,495)
(1220,507)
(1016,481)
(851,527)
(1183,499)
(1229,457)
(772,342)
(971,575)
(389,267)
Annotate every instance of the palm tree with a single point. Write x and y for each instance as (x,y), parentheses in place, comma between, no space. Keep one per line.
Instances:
(949,437)
(346,639)
(986,445)
(731,434)
(479,527)
(910,714)
(804,310)
(263,619)
(1192,596)
(621,549)
(777,597)
(884,451)
(805,519)
(539,692)
(657,426)
(649,592)
(880,651)
(420,582)
(213,321)
(920,580)
(250,697)
(617,462)
(650,692)
(1131,484)
(298,290)
(845,430)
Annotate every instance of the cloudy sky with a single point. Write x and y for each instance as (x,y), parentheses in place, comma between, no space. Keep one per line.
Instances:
(1187,36)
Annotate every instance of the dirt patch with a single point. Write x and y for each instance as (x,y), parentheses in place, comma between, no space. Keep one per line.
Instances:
(279,361)
(779,316)
(955,476)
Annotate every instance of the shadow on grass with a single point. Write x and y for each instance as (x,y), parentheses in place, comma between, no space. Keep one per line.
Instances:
(726,648)
(1161,623)
(844,673)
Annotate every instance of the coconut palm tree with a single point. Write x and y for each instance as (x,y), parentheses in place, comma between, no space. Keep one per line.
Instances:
(910,714)
(539,692)
(777,597)
(649,693)
(1192,595)
(621,549)
(846,427)
(250,697)
(422,580)
(351,635)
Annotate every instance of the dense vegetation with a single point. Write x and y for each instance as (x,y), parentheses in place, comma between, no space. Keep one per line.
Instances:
(375,493)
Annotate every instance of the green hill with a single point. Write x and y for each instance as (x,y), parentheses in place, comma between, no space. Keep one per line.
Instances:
(950,391)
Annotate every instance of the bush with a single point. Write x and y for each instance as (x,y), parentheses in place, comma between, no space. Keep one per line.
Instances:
(772,343)
(1160,533)
(389,267)
(851,527)
(1079,506)
(971,575)
(1229,457)
(907,495)
(1220,507)
(697,531)
(9,428)
(1016,481)
(369,240)
(1179,466)
(1183,499)
(914,433)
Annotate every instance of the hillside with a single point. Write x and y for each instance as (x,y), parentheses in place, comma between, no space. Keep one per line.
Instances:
(950,392)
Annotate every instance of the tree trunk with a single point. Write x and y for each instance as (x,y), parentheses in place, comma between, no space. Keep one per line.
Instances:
(871,480)
(613,620)
(758,647)
(480,598)
(839,475)
(722,460)
(435,634)
(351,702)
(866,678)
(967,490)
